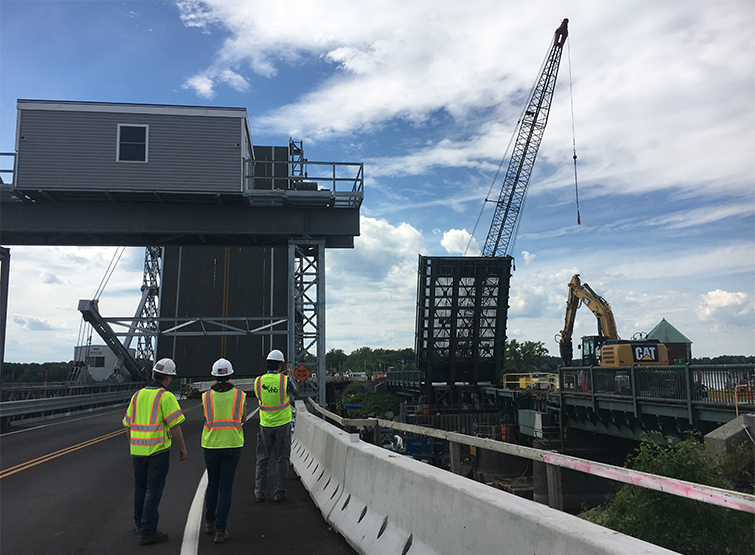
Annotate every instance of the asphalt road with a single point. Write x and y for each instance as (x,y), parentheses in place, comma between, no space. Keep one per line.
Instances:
(66,487)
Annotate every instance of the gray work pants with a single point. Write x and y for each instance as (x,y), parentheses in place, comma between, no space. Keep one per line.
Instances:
(267,438)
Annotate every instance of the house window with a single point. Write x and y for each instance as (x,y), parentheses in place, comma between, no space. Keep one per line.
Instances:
(133,143)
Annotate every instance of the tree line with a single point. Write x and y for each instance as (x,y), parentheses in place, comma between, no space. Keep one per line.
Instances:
(527,356)
(32,372)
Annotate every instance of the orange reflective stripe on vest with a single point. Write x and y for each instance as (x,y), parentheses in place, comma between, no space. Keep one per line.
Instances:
(149,431)
(153,426)
(224,413)
(214,423)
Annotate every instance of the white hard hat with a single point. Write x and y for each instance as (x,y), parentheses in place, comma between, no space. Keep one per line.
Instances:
(165,366)
(222,367)
(275,354)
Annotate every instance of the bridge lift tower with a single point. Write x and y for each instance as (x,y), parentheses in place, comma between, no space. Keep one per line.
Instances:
(462,302)
(157,176)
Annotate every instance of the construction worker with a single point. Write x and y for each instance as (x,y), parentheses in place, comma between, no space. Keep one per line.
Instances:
(222,440)
(272,391)
(153,417)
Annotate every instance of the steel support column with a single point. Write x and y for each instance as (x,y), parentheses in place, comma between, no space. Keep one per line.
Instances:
(153,256)
(306,314)
(4,282)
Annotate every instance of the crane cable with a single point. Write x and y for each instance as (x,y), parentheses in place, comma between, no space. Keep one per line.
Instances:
(573,133)
(85,329)
(506,153)
(109,272)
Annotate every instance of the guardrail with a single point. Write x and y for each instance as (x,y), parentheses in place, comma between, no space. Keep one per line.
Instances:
(385,503)
(707,494)
(10,410)
(407,377)
(22,391)
(12,171)
(339,184)
(700,384)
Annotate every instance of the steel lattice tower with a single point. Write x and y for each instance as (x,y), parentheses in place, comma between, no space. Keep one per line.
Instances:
(145,348)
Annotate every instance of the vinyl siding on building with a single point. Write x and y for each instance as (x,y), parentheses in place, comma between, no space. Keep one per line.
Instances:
(77,151)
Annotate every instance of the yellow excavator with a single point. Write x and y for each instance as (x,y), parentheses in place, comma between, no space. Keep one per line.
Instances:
(606,348)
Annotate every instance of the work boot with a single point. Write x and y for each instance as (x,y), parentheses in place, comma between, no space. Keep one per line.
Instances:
(157,537)
(221,536)
(209,527)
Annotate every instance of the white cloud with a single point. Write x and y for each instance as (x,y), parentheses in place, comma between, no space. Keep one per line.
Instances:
(372,289)
(46,284)
(48,278)
(202,85)
(723,310)
(640,118)
(32,324)
(457,241)
(234,80)
(528,257)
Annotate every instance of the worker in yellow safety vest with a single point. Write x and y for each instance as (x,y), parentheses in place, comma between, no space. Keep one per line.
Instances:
(272,391)
(222,440)
(153,418)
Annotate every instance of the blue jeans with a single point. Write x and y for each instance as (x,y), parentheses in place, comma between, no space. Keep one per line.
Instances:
(221,470)
(149,477)
(267,438)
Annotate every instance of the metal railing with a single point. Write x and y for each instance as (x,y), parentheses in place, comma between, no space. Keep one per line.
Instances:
(555,461)
(729,385)
(24,391)
(10,410)
(336,184)
(3,170)
(399,378)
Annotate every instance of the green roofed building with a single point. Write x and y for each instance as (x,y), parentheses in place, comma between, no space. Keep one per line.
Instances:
(679,346)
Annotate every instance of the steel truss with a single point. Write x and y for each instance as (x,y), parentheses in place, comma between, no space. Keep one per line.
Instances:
(461,318)
(306,314)
(145,348)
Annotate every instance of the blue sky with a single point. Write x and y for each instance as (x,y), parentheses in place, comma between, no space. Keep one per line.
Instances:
(426,94)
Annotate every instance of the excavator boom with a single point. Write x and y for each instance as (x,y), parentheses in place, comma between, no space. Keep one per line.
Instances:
(582,293)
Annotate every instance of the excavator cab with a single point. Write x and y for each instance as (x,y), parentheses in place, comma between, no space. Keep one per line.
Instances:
(591,349)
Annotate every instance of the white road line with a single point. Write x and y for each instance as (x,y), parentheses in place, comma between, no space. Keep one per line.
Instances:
(249,416)
(190,542)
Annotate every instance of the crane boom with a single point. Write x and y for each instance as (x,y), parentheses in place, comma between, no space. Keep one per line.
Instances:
(503,228)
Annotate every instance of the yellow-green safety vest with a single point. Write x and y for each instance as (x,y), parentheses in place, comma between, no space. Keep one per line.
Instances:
(275,406)
(152,412)
(223,424)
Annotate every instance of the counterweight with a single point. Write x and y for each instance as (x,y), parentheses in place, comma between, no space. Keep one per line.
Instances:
(505,223)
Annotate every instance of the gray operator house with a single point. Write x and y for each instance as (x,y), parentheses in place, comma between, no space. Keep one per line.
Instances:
(99,173)
(188,183)
(65,146)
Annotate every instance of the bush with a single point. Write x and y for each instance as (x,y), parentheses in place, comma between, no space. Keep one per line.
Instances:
(683,525)
(374,403)
(354,387)
(738,467)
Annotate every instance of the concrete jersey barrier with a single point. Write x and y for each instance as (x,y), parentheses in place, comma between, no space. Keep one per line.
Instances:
(384,503)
